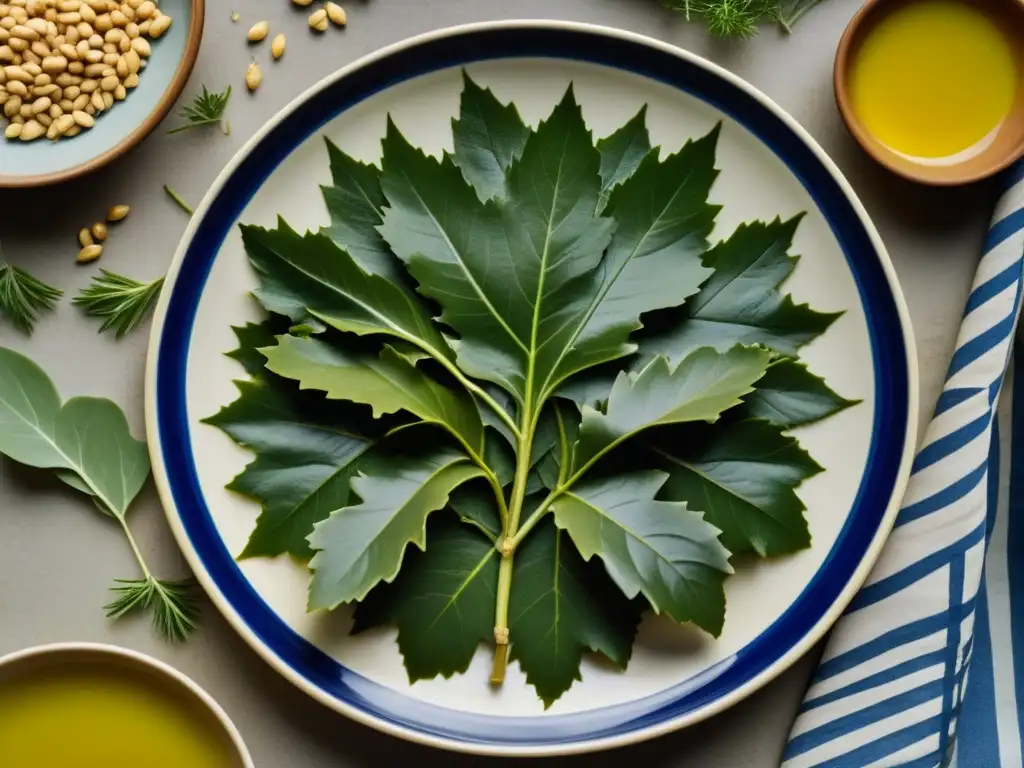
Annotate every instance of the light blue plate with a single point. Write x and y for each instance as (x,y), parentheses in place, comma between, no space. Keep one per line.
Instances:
(26,164)
(770,166)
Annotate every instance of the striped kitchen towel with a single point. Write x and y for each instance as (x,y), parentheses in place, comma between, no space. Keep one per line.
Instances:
(892,688)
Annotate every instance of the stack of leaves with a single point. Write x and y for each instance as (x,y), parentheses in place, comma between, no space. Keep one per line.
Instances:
(525,360)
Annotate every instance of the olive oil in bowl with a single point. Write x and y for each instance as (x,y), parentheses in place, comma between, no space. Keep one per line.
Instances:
(934,89)
(91,708)
(934,79)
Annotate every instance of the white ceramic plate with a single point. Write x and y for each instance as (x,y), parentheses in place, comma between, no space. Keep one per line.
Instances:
(770,167)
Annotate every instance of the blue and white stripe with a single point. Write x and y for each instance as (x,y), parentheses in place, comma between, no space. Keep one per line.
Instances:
(890,688)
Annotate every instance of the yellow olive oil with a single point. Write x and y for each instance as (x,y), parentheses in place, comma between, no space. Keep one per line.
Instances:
(933,79)
(78,715)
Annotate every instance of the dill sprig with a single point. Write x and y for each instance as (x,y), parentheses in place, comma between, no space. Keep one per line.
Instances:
(23,297)
(122,301)
(206,109)
(175,604)
(741,18)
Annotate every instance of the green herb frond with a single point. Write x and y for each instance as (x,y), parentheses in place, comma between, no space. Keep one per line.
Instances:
(207,108)
(174,603)
(23,297)
(740,18)
(122,301)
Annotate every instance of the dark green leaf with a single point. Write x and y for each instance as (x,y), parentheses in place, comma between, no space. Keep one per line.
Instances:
(740,303)
(789,395)
(663,221)
(251,337)
(475,505)
(442,601)
(361,545)
(306,451)
(743,477)
(354,201)
(307,273)
(514,276)
(658,548)
(387,382)
(488,136)
(622,151)
(703,386)
(561,606)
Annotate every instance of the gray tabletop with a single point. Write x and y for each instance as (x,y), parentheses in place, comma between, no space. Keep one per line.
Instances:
(57,556)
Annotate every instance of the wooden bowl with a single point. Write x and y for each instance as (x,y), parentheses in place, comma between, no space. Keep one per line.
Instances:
(41,162)
(1007,145)
(145,672)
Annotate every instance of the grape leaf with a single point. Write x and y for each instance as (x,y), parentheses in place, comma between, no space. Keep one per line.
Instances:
(561,606)
(661,549)
(307,448)
(87,438)
(621,152)
(743,478)
(511,275)
(387,382)
(361,545)
(303,274)
(488,136)
(740,303)
(664,220)
(789,395)
(442,601)
(700,388)
(354,201)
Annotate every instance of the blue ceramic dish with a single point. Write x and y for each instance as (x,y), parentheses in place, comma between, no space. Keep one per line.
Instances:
(770,166)
(41,162)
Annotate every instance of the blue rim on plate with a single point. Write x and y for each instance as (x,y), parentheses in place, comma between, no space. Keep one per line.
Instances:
(793,633)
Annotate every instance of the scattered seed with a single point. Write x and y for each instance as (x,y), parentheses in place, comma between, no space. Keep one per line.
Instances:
(277,46)
(117,212)
(89,253)
(253,77)
(236,16)
(318,20)
(258,31)
(99,231)
(302,3)
(336,14)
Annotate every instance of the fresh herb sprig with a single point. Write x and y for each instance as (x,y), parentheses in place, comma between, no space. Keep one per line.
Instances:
(23,297)
(741,18)
(87,443)
(206,109)
(174,603)
(122,301)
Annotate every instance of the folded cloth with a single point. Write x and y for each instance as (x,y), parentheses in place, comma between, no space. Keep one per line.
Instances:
(892,687)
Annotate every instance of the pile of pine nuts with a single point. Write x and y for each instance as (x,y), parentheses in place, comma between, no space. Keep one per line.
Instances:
(63,62)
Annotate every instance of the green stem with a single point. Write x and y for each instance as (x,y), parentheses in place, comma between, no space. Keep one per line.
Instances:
(533,519)
(507,548)
(470,385)
(501,620)
(499,495)
(135,549)
(179,200)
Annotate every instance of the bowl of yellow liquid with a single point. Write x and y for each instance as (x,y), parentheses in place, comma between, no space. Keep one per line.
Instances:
(934,89)
(97,706)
